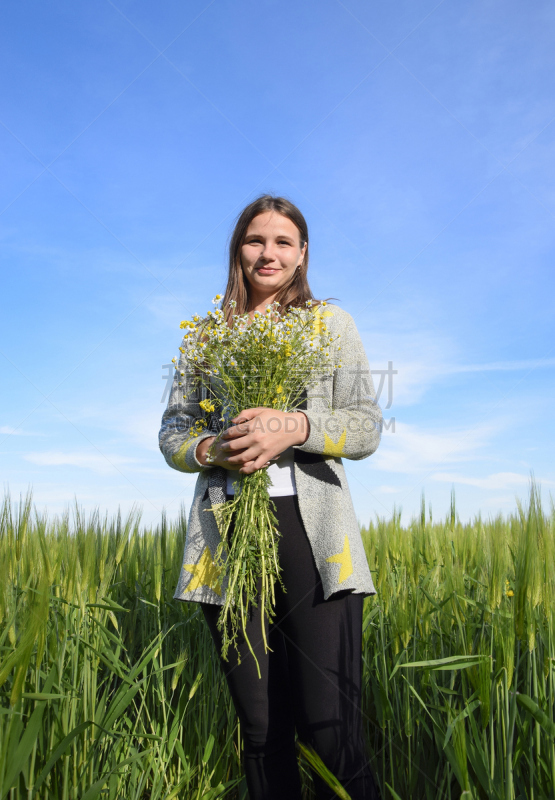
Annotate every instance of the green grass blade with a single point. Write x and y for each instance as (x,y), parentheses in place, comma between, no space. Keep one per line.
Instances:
(536,712)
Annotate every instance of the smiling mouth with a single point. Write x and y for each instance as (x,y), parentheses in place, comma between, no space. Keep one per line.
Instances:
(266,270)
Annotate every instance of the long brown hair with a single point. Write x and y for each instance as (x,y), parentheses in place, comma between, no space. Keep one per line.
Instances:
(297,291)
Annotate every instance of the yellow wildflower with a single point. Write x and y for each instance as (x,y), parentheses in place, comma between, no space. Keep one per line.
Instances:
(206,405)
(279,389)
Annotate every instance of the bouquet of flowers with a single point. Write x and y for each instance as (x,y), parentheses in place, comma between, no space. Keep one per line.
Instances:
(269,361)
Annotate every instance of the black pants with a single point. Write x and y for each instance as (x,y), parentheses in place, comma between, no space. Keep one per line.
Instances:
(311,681)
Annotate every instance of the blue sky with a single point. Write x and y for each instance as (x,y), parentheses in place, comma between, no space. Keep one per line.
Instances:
(418,139)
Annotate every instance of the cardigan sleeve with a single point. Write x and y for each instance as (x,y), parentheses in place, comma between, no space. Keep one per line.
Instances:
(343,412)
(178,447)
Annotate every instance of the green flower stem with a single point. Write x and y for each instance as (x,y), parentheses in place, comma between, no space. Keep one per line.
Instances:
(252,555)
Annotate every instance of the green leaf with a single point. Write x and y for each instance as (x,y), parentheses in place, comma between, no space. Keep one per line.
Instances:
(184,760)
(94,790)
(177,790)
(452,662)
(123,697)
(320,769)
(110,605)
(28,739)
(58,753)
(394,794)
(208,749)
(464,713)
(213,793)
(539,715)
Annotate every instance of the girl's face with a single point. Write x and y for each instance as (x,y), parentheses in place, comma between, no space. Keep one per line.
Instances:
(271,253)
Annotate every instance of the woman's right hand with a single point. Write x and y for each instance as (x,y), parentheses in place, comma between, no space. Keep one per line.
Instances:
(220,457)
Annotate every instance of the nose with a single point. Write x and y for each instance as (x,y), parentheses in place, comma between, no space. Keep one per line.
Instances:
(268,252)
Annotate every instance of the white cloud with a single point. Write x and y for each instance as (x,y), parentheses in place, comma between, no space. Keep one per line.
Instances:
(424,358)
(412,449)
(135,422)
(97,462)
(419,357)
(500,480)
(142,426)
(503,366)
(9,431)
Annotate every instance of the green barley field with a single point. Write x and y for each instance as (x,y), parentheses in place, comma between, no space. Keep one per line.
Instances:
(111,689)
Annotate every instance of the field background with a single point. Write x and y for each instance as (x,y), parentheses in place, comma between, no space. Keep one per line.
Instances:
(418,139)
(110,689)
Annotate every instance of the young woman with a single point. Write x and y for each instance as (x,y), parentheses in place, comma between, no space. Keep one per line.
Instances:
(311,678)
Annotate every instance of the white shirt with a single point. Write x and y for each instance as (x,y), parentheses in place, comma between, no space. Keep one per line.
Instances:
(281,472)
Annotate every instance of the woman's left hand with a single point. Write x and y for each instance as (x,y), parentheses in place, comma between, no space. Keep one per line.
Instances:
(263,434)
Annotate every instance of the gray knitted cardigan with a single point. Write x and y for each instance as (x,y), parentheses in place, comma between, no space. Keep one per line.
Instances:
(345,422)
